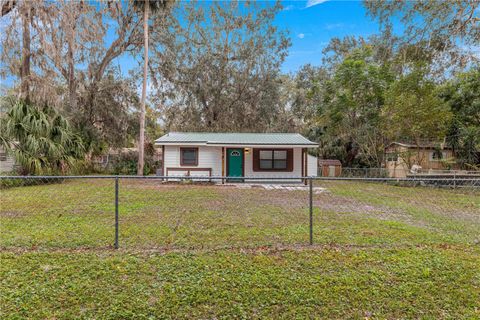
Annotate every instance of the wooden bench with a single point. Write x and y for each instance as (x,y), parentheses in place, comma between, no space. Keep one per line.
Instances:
(189,170)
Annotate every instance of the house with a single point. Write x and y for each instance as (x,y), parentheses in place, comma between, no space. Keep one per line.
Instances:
(330,167)
(7,162)
(237,155)
(402,159)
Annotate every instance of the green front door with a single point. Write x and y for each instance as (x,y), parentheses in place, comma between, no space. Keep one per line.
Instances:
(235,164)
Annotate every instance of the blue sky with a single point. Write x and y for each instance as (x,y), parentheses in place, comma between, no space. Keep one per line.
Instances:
(313,23)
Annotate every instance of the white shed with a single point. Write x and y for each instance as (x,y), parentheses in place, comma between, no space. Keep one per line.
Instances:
(236,155)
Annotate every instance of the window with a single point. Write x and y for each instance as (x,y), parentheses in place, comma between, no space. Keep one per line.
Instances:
(188,156)
(273,159)
(393,157)
(3,156)
(437,155)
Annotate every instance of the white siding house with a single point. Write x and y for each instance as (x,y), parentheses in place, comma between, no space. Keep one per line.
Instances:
(237,155)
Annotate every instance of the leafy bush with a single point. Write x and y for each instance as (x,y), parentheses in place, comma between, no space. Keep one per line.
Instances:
(126,164)
(39,138)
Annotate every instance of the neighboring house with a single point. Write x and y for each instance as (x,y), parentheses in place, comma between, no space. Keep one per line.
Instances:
(236,155)
(7,162)
(330,167)
(402,159)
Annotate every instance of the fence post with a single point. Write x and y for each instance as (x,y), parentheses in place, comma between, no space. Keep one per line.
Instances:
(454,179)
(116,212)
(311,209)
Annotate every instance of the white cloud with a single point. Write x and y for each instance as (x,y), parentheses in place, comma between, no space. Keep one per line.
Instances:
(311,3)
(332,26)
(289,7)
(301,35)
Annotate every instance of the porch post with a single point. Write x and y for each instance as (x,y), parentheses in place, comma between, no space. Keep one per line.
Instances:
(305,163)
(223,165)
(163,162)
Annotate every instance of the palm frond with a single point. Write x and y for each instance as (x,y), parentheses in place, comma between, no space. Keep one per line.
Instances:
(40,139)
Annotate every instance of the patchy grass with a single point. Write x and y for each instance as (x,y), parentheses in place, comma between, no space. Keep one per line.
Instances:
(192,251)
(325,283)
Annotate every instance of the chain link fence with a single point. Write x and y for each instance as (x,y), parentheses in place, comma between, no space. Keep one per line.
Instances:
(144,213)
(364,172)
(420,173)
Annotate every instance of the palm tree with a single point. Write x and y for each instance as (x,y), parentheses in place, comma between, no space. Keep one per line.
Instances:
(146,6)
(40,139)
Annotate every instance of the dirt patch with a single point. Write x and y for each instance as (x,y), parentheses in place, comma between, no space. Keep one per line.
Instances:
(257,197)
(11,214)
(150,184)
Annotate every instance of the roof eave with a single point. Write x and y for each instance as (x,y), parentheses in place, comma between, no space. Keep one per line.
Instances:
(240,144)
(266,145)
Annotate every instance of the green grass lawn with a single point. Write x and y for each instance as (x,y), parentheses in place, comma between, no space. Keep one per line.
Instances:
(189,251)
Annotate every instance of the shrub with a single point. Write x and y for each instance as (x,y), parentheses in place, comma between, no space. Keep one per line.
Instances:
(126,164)
(39,138)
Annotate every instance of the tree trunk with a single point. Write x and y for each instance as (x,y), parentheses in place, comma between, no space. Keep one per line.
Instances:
(141,142)
(26,53)
(72,84)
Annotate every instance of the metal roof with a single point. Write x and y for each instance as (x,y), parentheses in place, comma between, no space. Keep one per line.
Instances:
(234,138)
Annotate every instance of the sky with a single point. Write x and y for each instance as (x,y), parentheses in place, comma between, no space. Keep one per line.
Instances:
(313,23)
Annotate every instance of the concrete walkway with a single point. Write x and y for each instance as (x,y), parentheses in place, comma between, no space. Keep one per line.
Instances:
(284,187)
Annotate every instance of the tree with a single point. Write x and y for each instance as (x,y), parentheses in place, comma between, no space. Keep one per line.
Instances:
(440,24)
(339,49)
(462,94)
(308,93)
(386,49)
(110,120)
(219,67)
(350,112)
(72,64)
(40,139)
(146,6)
(67,32)
(413,110)
(20,12)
